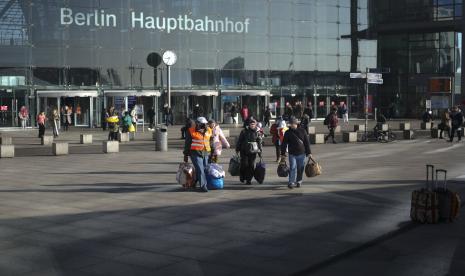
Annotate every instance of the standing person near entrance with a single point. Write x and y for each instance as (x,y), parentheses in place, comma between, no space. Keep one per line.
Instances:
(41,119)
(55,122)
(218,139)
(275,137)
(244,113)
(309,111)
(331,121)
(457,121)
(134,115)
(233,112)
(197,112)
(289,111)
(267,117)
(197,146)
(113,125)
(127,122)
(23,116)
(298,110)
(305,123)
(151,116)
(345,114)
(167,115)
(248,145)
(68,113)
(297,144)
(445,124)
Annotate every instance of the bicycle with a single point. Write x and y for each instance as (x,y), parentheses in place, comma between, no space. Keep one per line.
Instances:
(379,136)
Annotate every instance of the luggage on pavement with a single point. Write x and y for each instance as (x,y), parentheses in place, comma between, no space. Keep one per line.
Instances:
(215,176)
(312,168)
(235,166)
(283,169)
(260,171)
(449,202)
(424,204)
(186,175)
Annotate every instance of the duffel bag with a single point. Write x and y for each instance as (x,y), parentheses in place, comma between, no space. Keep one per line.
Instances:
(215,170)
(235,166)
(214,183)
(283,169)
(312,168)
(260,171)
(186,175)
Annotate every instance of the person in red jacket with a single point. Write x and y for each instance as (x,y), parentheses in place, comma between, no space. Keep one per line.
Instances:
(245,113)
(332,122)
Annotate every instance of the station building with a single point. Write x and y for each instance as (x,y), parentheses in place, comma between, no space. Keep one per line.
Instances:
(93,54)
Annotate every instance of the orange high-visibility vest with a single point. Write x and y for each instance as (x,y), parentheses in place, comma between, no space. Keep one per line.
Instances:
(200,141)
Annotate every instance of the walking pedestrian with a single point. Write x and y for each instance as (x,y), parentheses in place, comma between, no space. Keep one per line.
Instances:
(167,115)
(113,126)
(267,116)
(55,122)
(218,139)
(305,123)
(457,122)
(289,111)
(127,122)
(331,121)
(445,124)
(248,146)
(41,119)
(198,111)
(134,115)
(189,123)
(275,137)
(23,116)
(197,146)
(298,110)
(296,142)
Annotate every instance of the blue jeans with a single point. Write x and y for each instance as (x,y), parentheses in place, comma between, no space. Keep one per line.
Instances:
(296,166)
(200,163)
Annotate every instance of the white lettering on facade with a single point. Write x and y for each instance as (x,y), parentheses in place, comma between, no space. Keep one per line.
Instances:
(99,18)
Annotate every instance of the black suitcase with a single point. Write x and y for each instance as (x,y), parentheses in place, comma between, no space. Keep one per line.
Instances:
(260,171)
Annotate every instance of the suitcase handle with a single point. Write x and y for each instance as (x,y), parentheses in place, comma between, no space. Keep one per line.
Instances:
(445,178)
(429,182)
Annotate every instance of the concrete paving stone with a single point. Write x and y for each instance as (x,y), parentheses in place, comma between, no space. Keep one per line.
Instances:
(193,252)
(147,259)
(14,265)
(196,268)
(154,245)
(116,268)
(189,228)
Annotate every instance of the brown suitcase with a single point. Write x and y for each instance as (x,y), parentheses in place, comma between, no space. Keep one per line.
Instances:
(424,204)
(449,201)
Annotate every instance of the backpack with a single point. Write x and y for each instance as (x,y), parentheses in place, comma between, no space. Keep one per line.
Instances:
(326,121)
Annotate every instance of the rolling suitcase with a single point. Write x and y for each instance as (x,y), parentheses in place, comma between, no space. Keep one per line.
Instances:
(424,204)
(449,202)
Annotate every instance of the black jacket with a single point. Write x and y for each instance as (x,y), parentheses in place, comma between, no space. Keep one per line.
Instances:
(456,119)
(246,136)
(296,141)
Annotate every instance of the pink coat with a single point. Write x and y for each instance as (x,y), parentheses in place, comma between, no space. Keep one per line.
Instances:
(219,141)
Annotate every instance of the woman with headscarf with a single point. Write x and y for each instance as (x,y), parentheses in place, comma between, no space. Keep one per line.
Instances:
(219,140)
(248,146)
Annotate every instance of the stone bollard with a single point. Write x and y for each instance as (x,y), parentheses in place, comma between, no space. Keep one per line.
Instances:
(435,133)
(317,138)
(7,151)
(311,130)
(349,137)
(409,135)
(359,128)
(154,135)
(6,140)
(123,137)
(86,139)
(110,146)
(226,133)
(60,149)
(337,129)
(161,143)
(426,126)
(46,140)
(404,126)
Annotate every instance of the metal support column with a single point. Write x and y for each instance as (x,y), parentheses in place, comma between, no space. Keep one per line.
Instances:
(91,111)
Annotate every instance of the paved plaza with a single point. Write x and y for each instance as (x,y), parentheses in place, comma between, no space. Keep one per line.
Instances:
(91,213)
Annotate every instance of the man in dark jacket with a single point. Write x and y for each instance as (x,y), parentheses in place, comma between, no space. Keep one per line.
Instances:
(249,145)
(457,121)
(297,143)
(332,121)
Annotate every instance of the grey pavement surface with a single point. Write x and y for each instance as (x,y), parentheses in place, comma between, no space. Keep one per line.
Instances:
(123,214)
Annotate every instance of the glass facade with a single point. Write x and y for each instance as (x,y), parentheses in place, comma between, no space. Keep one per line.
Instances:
(299,50)
(421,42)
